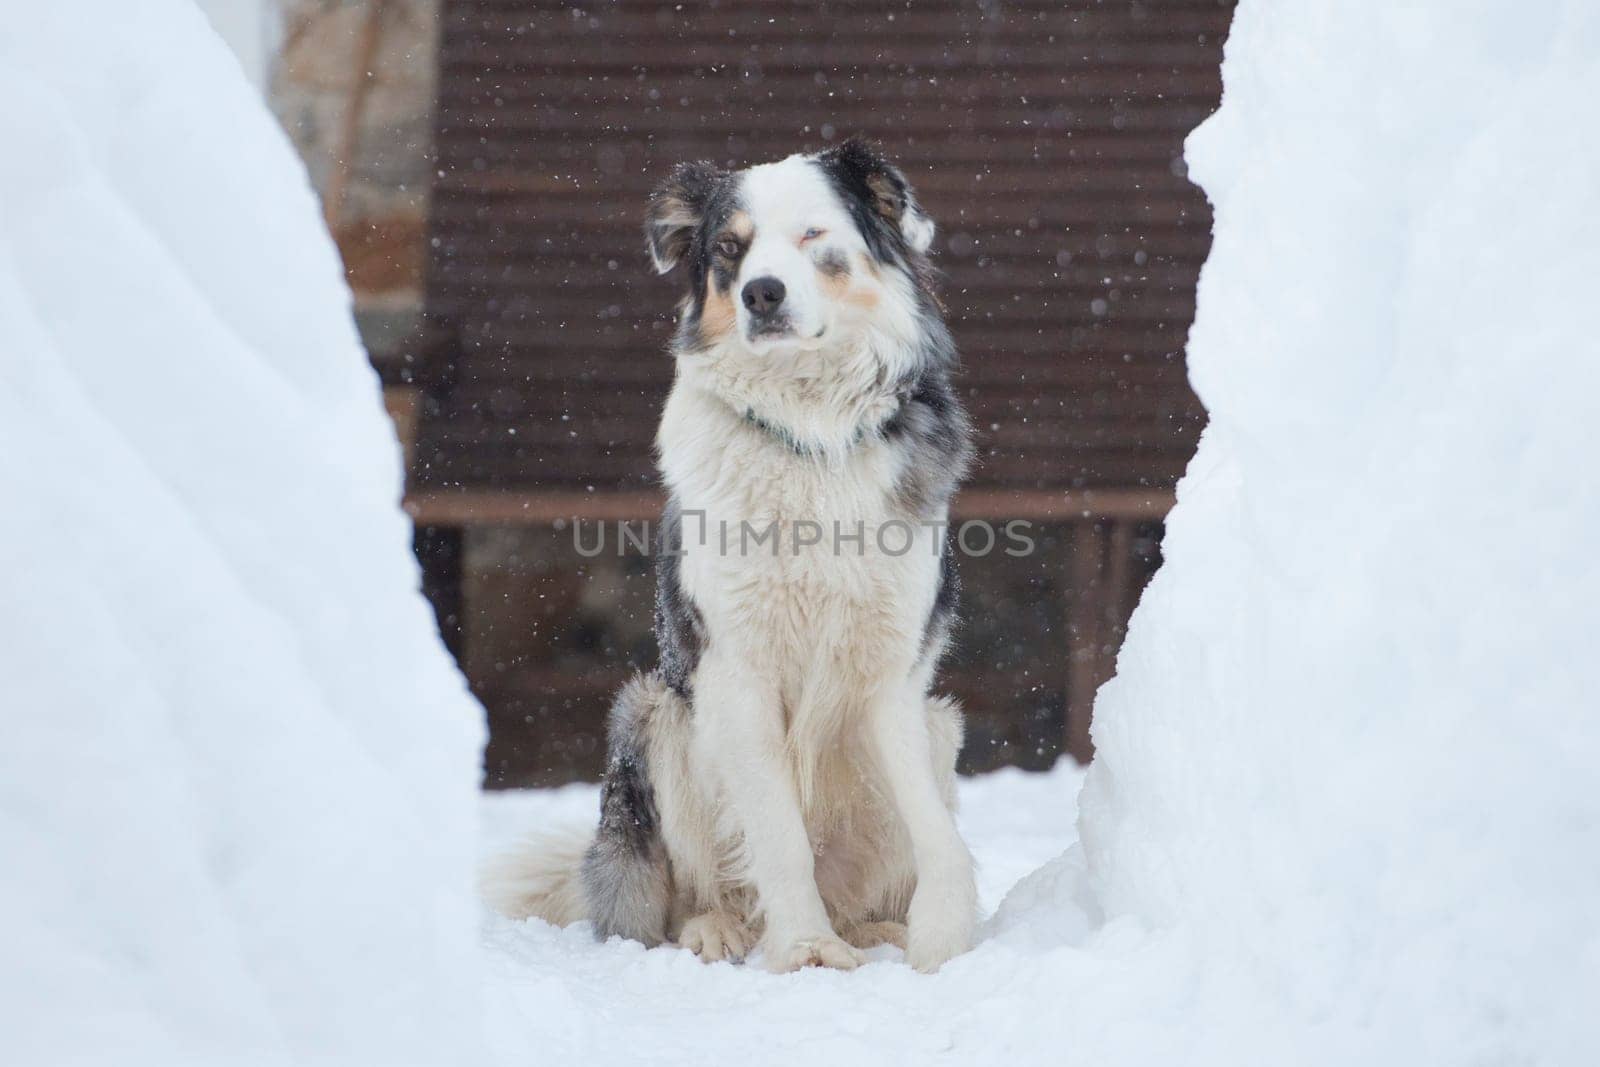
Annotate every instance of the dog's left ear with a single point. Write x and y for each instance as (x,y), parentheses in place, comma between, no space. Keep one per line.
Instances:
(861,168)
(677,208)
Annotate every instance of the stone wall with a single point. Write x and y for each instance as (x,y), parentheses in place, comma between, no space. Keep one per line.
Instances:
(353,84)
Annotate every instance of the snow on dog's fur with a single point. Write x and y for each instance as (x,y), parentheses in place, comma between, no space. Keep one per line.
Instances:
(784,777)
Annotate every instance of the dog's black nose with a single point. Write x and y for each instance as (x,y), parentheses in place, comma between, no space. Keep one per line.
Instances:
(763,295)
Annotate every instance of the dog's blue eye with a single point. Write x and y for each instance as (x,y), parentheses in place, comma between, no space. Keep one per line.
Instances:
(812,234)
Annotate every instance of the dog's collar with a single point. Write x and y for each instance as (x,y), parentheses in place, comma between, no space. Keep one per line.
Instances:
(783,436)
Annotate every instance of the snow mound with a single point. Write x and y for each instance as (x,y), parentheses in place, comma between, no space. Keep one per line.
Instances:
(1351,750)
(237,784)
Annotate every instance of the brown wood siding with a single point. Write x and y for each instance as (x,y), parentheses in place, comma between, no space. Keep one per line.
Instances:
(1044,138)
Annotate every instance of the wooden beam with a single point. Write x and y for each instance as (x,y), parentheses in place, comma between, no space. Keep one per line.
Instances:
(1114,605)
(470,507)
(440,550)
(404,404)
(1062,505)
(495,507)
(1086,590)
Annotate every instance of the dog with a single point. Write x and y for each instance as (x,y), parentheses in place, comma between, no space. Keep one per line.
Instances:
(784,779)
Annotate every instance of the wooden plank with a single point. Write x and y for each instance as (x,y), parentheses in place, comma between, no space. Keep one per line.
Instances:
(487,235)
(444,467)
(464,507)
(771,21)
(1084,635)
(599,213)
(1147,9)
(1053,371)
(404,405)
(1115,604)
(492,507)
(439,550)
(591,57)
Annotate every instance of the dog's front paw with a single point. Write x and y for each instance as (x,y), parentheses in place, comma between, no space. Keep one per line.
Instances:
(929,949)
(940,924)
(716,935)
(822,951)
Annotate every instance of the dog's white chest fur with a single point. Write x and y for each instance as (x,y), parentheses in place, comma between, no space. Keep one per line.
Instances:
(825,618)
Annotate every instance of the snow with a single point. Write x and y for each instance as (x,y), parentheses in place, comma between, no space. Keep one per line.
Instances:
(237,789)
(1351,748)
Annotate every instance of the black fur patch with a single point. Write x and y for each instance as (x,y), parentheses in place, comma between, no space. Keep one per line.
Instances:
(834,264)
(876,194)
(680,629)
(942,617)
(933,427)
(626,881)
(627,803)
(677,208)
(687,214)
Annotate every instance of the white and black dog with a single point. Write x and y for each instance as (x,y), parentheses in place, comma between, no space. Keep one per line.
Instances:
(784,777)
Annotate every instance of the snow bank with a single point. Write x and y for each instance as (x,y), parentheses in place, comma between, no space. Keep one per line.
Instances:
(237,783)
(1352,748)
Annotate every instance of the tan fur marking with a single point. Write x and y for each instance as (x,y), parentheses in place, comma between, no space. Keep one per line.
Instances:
(718,316)
(858,287)
(741,226)
(886,198)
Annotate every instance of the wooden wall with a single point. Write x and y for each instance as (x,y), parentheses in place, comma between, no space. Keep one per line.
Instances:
(1045,138)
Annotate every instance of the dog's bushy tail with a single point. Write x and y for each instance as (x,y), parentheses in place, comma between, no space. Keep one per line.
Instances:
(540,877)
(617,875)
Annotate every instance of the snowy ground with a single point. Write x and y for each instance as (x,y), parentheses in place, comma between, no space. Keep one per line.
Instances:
(561,995)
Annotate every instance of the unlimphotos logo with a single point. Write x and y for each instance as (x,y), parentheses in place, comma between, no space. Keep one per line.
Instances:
(896,537)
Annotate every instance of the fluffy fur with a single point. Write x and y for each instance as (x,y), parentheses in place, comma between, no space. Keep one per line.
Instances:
(784,776)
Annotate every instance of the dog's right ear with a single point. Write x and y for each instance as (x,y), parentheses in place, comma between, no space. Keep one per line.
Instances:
(677,208)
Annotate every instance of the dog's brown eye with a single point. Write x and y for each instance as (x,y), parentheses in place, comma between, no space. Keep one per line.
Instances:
(729,248)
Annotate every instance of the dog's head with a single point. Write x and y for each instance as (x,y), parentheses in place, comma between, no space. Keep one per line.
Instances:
(793,255)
